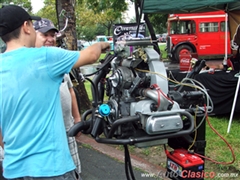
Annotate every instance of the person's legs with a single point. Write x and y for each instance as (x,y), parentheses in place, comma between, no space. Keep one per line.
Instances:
(78,175)
(67,176)
(73,147)
(1,172)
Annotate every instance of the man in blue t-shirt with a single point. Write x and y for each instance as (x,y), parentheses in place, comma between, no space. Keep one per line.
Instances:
(31,120)
(46,36)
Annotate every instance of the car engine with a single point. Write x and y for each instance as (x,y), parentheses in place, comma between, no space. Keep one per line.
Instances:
(132,104)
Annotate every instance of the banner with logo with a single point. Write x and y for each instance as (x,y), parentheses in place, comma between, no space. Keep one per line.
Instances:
(128,31)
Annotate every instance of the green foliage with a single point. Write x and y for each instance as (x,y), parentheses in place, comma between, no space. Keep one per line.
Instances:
(159,22)
(100,29)
(26,4)
(79,31)
(90,15)
(87,146)
(94,14)
(89,33)
(132,20)
(103,5)
(49,11)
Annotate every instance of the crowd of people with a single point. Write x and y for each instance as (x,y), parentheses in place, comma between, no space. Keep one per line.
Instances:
(37,101)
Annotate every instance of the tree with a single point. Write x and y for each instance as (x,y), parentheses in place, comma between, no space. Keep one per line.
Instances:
(89,33)
(86,23)
(71,36)
(93,13)
(26,4)
(49,11)
(108,18)
(100,29)
(159,22)
(103,5)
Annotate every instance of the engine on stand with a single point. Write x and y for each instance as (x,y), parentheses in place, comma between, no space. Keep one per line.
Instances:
(132,105)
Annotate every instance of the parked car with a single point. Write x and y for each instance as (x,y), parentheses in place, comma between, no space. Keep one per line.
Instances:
(80,45)
(110,38)
(162,37)
(158,36)
(100,38)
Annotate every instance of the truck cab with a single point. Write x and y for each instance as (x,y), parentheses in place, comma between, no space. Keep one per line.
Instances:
(199,33)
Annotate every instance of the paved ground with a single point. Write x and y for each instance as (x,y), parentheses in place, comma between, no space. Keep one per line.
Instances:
(97,166)
(101,161)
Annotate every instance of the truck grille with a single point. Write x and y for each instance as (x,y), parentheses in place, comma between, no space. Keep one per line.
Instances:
(169,46)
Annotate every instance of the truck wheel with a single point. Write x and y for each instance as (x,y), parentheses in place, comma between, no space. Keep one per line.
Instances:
(172,59)
(182,50)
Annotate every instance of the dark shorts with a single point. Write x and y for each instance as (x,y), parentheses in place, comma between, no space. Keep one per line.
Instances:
(67,176)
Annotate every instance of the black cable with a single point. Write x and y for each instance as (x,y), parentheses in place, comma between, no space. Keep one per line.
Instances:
(139,19)
(94,93)
(85,114)
(128,164)
(109,57)
(94,104)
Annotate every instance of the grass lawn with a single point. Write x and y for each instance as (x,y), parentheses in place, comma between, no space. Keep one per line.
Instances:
(163,52)
(219,150)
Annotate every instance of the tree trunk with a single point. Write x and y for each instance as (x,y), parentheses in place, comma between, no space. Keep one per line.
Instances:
(71,44)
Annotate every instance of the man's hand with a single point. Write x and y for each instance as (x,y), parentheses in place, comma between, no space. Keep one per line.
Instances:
(78,134)
(105,47)
(77,137)
(91,54)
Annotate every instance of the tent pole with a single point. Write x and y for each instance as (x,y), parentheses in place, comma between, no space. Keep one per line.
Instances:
(226,39)
(234,103)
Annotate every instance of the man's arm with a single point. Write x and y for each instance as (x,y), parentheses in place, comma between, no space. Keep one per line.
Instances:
(75,111)
(91,54)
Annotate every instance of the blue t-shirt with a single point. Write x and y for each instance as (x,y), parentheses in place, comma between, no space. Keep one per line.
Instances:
(31,119)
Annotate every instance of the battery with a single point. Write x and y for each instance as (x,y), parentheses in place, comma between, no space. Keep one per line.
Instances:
(182,164)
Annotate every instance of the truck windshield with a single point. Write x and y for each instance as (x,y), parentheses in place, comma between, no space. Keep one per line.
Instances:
(102,39)
(182,27)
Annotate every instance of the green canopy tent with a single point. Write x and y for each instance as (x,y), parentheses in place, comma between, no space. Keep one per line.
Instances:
(188,6)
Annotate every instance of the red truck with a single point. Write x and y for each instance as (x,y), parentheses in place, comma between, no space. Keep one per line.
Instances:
(201,34)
